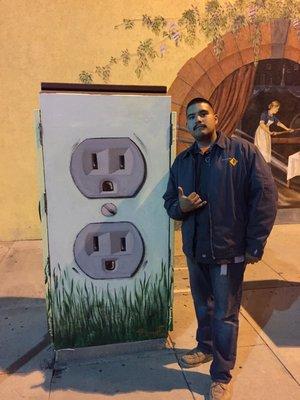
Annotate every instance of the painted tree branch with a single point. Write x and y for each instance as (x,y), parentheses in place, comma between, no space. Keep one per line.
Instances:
(213,23)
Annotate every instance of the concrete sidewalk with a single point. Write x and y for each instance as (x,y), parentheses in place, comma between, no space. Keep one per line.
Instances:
(267,366)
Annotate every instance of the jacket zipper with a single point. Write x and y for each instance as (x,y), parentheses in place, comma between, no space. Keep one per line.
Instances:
(194,235)
(209,211)
(210,229)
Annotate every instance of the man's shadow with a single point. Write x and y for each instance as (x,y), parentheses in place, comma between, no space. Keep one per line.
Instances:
(274,305)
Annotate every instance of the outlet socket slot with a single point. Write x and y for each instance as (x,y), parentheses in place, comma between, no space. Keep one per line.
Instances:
(94,161)
(110,265)
(107,186)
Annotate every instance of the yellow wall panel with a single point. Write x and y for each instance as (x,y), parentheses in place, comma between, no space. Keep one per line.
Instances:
(54,41)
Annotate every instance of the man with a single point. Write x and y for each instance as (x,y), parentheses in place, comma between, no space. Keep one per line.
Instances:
(224,193)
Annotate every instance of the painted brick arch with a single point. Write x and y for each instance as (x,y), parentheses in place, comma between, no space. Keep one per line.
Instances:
(202,74)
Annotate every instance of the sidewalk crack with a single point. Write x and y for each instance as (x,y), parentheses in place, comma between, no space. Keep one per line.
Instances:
(182,370)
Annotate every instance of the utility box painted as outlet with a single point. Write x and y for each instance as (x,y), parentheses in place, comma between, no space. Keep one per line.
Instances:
(104,160)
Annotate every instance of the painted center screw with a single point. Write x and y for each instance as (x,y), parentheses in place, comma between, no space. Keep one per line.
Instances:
(109,209)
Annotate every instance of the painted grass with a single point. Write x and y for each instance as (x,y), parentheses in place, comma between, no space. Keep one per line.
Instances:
(80,315)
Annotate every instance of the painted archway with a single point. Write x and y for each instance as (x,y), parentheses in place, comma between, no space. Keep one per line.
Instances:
(202,74)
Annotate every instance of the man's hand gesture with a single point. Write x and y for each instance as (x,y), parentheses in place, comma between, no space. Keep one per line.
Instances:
(190,202)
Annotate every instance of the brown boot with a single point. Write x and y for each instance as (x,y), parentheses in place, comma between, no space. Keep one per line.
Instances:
(220,391)
(194,358)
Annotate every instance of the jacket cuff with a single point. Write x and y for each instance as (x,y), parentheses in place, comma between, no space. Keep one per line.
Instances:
(255,250)
(181,215)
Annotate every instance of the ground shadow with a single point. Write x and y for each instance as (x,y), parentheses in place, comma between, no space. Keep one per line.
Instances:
(155,371)
(25,348)
(275,307)
(273,304)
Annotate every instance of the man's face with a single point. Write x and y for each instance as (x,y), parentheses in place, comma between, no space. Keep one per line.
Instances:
(201,120)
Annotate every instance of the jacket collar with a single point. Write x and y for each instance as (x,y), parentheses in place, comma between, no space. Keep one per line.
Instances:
(221,142)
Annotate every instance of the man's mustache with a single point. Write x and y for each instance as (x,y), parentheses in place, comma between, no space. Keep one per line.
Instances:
(199,126)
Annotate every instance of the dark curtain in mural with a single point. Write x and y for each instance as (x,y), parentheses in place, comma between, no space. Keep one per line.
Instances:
(231,97)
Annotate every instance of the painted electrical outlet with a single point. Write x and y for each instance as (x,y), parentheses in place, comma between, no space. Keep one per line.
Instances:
(109,250)
(108,167)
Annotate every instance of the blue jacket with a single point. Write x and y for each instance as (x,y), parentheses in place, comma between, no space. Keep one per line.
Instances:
(241,194)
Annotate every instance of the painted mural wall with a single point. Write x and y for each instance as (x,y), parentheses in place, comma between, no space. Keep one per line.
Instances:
(53,42)
(272,122)
(191,47)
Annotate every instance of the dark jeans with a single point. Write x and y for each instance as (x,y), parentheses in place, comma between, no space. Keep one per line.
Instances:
(217,300)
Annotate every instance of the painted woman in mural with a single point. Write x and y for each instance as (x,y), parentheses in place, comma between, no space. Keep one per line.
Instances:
(263,134)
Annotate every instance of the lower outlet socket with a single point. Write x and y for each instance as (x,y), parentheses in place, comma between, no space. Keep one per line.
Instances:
(109,250)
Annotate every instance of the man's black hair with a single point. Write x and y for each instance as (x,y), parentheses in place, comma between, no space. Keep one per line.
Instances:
(199,100)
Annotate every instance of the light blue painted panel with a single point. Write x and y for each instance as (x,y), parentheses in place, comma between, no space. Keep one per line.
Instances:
(141,302)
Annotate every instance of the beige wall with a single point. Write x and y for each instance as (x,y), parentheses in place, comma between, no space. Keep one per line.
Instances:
(52,42)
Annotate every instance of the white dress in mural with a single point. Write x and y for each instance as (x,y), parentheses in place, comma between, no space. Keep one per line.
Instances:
(262,139)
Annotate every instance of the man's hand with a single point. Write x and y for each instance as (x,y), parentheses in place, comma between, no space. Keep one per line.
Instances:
(250,259)
(190,202)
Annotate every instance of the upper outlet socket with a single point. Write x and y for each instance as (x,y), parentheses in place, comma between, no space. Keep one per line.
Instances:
(108,167)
